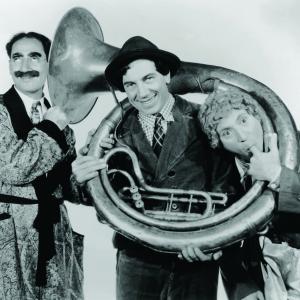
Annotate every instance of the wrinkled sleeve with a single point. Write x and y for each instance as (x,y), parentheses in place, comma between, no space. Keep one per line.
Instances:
(23,161)
(289,192)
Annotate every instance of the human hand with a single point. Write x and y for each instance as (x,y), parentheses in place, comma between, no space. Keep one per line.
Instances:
(265,165)
(57,116)
(192,254)
(106,143)
(85,168)
(85,149)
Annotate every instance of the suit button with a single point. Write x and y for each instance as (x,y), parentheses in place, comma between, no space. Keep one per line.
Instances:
(171,173)
(174,206)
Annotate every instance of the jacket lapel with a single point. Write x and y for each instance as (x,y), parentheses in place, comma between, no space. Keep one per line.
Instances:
(141,145)
(18,115)
(178,138)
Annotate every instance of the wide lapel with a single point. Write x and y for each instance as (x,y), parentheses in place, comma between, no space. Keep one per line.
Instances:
(177,139)
(18,115)
(147,157)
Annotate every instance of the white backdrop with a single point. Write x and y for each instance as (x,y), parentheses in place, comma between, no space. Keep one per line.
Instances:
(256,37)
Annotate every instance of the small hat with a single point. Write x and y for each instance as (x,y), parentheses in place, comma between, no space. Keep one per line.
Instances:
(135,48)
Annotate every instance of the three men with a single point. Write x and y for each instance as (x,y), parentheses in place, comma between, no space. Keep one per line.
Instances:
(40,256)
(163,131)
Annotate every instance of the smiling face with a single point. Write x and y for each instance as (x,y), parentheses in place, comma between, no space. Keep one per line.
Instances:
(239,131)
(145,87)
(28,66)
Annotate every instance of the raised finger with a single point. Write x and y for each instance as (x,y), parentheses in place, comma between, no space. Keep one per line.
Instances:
(85,177)
(273,145)
(185,255)
(253,149)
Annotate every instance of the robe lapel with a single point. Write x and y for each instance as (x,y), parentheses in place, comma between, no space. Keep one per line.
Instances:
(48,210)
(18,115)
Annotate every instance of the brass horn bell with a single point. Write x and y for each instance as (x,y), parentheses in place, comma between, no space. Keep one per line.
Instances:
(78,58)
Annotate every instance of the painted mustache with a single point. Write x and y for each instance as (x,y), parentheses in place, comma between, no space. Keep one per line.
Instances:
(32,73)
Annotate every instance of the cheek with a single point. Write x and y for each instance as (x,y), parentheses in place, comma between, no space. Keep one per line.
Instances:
(12,69)
(130,93)
(132,102)
(43,68)
(229,145)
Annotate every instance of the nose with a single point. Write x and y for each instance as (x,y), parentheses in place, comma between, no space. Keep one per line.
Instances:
(142,90)
(241,135)
(25,64)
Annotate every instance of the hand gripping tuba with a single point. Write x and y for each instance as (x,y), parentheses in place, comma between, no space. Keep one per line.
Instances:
(77,62)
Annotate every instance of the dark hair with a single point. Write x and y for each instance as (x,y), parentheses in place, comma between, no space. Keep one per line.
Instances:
(161,67)
(29,35)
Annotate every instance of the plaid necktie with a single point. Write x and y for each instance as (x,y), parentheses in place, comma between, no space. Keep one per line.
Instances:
(158,134)
(36,112)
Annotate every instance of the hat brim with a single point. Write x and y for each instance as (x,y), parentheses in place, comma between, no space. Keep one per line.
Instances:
(114,76)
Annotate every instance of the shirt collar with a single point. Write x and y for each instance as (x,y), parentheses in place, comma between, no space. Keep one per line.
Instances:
(166,112)
(28,101)
(147,121)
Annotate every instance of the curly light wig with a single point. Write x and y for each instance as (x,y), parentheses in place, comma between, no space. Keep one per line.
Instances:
(218,104)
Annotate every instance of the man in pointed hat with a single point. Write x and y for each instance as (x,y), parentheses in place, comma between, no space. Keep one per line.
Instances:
(162,129)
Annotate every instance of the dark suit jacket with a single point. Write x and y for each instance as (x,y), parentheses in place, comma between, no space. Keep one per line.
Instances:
(186,160)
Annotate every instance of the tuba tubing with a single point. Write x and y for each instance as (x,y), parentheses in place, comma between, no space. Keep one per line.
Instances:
(244,218)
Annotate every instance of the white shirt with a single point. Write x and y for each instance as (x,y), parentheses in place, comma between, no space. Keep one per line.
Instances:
(27,101)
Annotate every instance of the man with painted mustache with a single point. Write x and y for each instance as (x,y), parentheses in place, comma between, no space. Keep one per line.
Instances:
(40,255)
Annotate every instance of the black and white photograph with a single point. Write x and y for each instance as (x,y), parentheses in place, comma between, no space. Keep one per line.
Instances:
(149,150)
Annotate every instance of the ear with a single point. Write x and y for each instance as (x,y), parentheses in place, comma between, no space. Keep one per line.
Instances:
(167,78)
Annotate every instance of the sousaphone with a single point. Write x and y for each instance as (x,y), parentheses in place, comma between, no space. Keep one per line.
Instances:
(77,62)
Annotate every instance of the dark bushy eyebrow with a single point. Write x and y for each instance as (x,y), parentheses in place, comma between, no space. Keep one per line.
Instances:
(35,54)
(31,54)
(17,54)
(143,78)
(148,75)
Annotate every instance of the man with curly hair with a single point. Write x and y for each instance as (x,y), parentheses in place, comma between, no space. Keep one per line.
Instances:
(231,119)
